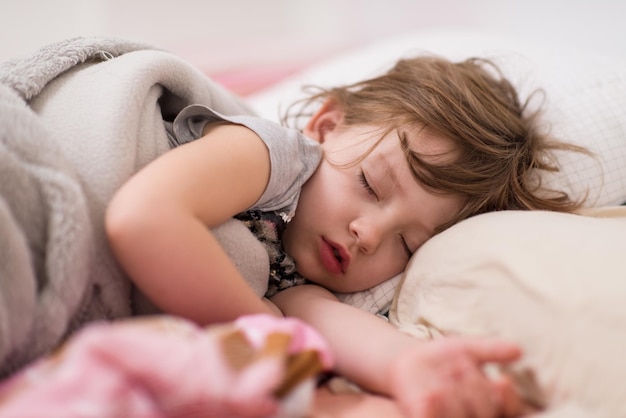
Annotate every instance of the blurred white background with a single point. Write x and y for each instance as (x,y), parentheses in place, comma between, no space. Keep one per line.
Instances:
(233,34)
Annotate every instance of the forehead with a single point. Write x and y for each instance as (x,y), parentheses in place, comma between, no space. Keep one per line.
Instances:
(431,146)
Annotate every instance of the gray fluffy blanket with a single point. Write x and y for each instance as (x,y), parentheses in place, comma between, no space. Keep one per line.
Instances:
(77,118)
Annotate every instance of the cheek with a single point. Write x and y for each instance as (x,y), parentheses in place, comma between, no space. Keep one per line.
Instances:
(388,265)
(326,190)
(376,269)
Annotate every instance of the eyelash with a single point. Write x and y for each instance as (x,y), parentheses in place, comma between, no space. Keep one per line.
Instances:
(366,184)
(407,250)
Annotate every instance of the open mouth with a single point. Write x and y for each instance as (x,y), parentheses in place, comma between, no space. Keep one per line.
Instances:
(337,255)
(332,257)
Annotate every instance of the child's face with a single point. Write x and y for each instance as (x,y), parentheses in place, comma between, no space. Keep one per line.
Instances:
(355,226)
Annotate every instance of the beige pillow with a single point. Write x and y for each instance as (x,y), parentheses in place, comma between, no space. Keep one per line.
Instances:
(554,283)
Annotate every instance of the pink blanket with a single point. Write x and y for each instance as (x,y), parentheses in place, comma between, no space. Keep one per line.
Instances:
(258,366)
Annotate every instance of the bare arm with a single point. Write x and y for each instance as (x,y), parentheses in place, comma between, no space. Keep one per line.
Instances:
(158,223)
(440,378)
(363,344)
(353,405)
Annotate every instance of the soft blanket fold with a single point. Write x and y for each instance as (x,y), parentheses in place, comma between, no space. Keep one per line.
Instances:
(77,118)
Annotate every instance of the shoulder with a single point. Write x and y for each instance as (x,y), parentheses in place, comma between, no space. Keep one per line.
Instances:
(189,124)
(293,156)
(287,146)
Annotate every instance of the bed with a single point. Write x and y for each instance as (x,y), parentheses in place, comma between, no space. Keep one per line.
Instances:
(554,283)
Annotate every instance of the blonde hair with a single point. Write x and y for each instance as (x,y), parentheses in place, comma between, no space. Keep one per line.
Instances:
(498,148)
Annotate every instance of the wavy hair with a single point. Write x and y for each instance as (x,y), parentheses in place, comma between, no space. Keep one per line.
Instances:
(499,150)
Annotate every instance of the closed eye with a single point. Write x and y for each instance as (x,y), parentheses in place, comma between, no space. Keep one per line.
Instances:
(406,247)
(366,184)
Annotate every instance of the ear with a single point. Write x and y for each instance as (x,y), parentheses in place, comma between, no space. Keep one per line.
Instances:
(325,120)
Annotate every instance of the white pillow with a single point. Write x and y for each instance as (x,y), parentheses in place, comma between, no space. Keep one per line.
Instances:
(554,283)
(586,105)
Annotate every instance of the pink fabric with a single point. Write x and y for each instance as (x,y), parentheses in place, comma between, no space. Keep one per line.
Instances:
(245,82)
(257,327)
(163,369)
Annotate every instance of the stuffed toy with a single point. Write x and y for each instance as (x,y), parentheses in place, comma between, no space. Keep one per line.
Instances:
(166,367)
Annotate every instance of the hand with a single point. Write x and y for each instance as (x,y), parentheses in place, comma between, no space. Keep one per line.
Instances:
(445,379)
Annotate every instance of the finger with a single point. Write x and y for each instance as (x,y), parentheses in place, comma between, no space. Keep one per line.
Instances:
(455,405)
(492,350)
(511,403)
(436,402)
(480,398)
(427,405)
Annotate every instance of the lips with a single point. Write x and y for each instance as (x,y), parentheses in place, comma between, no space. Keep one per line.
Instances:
(335,258)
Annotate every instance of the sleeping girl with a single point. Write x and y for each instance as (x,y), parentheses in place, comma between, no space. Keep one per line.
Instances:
(340,206)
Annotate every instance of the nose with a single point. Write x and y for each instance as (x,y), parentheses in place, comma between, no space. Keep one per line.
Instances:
(368,234)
